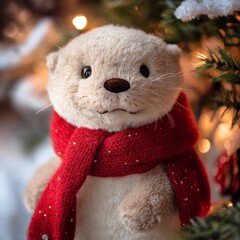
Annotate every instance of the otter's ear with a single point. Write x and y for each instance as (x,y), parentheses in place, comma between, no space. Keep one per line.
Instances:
(174,51)
(52,59)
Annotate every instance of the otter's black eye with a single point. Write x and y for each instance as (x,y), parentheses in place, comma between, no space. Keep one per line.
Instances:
(86,72)
(144,71)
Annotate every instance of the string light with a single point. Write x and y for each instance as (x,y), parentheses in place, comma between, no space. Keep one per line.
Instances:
(79,22)
(204,145)
(205,123)
(222,131)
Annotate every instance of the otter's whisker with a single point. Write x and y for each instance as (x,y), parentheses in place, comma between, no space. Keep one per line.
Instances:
(177,88)
(49,105)
(171,121)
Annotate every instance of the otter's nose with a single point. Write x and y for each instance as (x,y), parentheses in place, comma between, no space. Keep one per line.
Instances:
(116,85)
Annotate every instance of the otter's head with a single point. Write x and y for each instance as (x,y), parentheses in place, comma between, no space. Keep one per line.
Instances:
(114,78)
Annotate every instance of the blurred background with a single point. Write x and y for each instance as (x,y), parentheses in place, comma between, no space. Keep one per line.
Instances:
(30,29)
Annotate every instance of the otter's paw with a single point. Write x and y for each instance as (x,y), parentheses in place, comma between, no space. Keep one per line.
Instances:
(37,184)
(32,195)
(137,216)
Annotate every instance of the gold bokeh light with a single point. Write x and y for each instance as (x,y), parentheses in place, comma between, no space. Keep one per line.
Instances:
(204,145)
(79,22)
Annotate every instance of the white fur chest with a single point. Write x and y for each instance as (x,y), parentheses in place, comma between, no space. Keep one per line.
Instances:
(97,211)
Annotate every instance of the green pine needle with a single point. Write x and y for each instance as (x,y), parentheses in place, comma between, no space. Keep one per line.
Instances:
(221,60)
(223,224)
(228,72)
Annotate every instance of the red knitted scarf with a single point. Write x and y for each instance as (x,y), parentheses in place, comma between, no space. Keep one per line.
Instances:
(99,153)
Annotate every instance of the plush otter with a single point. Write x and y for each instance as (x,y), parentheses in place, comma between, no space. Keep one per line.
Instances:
(122,129)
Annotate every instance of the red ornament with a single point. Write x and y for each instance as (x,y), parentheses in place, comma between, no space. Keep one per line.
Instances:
(227,174)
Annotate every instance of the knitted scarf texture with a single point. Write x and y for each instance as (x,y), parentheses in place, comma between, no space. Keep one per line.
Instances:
(133,151)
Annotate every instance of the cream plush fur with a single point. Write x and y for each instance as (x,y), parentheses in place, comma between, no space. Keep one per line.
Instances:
(135,207)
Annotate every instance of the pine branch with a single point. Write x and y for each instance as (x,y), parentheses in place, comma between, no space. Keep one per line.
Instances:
(157,16)
(221,225)
(222,61)
(227,99)
(144,14)
(229,29)
(225,28)
(228,75)
(175,31)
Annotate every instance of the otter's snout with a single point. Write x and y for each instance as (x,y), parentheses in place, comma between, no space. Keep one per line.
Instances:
(116,85)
